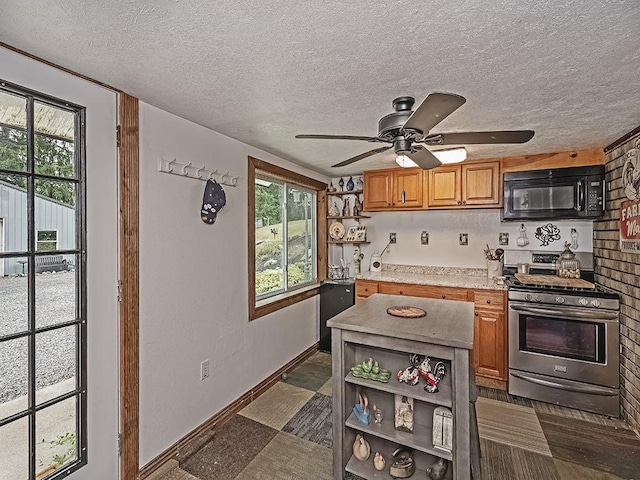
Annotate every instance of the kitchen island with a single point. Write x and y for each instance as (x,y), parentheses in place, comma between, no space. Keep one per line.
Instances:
(366,331)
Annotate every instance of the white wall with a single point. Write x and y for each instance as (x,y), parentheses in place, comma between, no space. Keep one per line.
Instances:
(444,227)
(102,255)
(193,287)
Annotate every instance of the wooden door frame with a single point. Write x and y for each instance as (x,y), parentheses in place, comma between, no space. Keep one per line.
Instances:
(129,285)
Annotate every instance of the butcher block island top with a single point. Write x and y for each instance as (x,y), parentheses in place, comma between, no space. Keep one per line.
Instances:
(448,323)
(440,342)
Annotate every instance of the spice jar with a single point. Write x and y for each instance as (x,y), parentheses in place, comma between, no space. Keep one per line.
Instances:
(568,265)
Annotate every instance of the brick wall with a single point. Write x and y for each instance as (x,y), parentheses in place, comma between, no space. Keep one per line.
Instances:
(621,272)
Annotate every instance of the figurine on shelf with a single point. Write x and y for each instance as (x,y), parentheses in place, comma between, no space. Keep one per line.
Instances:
(357,208)
(377,414)
(432,377)
(331,188)
(346,208)
(403,465)
(341,184)
(334,211)
(438,470)
(403,414)
(350,184)
(361,409)
(371,371)
(361,448)
(378,461)
(357,259)
(359,184)
(411,374)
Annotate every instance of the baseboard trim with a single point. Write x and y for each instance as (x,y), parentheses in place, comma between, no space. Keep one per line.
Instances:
(224,415)
(491,383)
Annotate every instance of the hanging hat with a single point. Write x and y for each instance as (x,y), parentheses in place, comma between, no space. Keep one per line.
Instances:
(212,202)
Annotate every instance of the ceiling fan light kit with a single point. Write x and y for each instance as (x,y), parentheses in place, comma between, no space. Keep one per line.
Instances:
(408,133)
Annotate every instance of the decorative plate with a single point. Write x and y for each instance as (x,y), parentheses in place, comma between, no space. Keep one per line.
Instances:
(336,230)
(406,312)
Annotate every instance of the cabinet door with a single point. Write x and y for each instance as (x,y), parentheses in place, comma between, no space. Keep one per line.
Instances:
(481,183)
(488,344)
(407,188)
(377,189)
(444,186)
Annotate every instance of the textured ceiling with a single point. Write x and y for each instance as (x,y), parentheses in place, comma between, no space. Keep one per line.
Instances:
(262,72)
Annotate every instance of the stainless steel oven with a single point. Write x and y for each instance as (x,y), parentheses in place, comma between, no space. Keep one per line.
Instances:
(564,340)
(564,349)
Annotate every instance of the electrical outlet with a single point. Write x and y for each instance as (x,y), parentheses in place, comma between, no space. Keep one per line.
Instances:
(204,370)
(392,238)
(424,238)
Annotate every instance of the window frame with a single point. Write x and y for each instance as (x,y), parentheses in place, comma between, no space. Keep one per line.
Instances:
(267,305)
(80,258)
(38,242)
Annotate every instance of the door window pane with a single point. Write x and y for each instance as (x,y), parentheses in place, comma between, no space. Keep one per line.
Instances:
(14,445)
(13,377)
(56,444)
(13,217)
(14,300)
(55,363)
(56,290)
(13,133)
(54,141)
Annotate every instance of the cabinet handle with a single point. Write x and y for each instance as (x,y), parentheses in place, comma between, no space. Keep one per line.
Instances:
(444,296)
(476,314)
(464,202)
(400,292)
(459,202)
(403,197)
(488,301)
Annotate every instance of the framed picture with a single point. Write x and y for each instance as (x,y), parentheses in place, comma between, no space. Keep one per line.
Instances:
(463,239)
(503,239)
(352,234)
(403,413)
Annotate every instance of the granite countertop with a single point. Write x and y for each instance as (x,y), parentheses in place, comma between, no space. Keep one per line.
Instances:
(448,322)
(473,278)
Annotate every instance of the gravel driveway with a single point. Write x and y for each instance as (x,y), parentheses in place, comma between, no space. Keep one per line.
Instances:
(55,350)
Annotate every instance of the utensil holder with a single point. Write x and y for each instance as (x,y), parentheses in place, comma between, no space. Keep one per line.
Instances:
(494,268)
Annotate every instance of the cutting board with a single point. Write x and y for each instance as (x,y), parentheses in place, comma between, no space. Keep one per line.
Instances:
(553,281)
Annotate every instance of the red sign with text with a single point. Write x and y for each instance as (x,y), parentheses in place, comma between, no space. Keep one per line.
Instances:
(630,226)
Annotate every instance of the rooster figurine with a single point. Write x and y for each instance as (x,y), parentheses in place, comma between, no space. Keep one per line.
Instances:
(432,376)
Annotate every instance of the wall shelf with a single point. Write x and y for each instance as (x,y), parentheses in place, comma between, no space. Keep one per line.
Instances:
(354,217)
(346,192)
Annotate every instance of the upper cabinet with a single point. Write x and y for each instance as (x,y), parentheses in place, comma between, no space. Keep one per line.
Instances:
(393,189)
(474,184)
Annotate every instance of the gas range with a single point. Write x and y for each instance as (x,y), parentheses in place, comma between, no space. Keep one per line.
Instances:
(563,341)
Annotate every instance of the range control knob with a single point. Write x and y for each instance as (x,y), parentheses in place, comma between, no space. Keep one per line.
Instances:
(527,297)
(595,303)
(538,298)
(560,300)
(584,302)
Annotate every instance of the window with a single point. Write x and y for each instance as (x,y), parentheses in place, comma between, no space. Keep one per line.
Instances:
(46,240)
(43,421)
(283,237)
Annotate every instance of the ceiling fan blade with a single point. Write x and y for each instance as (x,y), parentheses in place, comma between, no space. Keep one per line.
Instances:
(464,138)
(424,158)
(341,137)
(361,156)
(434,109)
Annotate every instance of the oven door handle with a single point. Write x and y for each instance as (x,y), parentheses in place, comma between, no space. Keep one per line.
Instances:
(592,389)
(589,315)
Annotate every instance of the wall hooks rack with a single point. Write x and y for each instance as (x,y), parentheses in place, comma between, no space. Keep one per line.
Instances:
(199,173)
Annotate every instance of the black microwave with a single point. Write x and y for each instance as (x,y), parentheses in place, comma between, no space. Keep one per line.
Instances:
(558,193)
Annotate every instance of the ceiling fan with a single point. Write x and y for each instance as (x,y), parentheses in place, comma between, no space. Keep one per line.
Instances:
(408,131)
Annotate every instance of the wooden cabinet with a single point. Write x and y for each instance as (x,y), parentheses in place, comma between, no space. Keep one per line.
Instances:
(490,329)
(474,184)
(354,342)
(490,339)
(393,189)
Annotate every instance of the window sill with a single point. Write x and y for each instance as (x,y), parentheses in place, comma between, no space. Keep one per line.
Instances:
(273,304)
